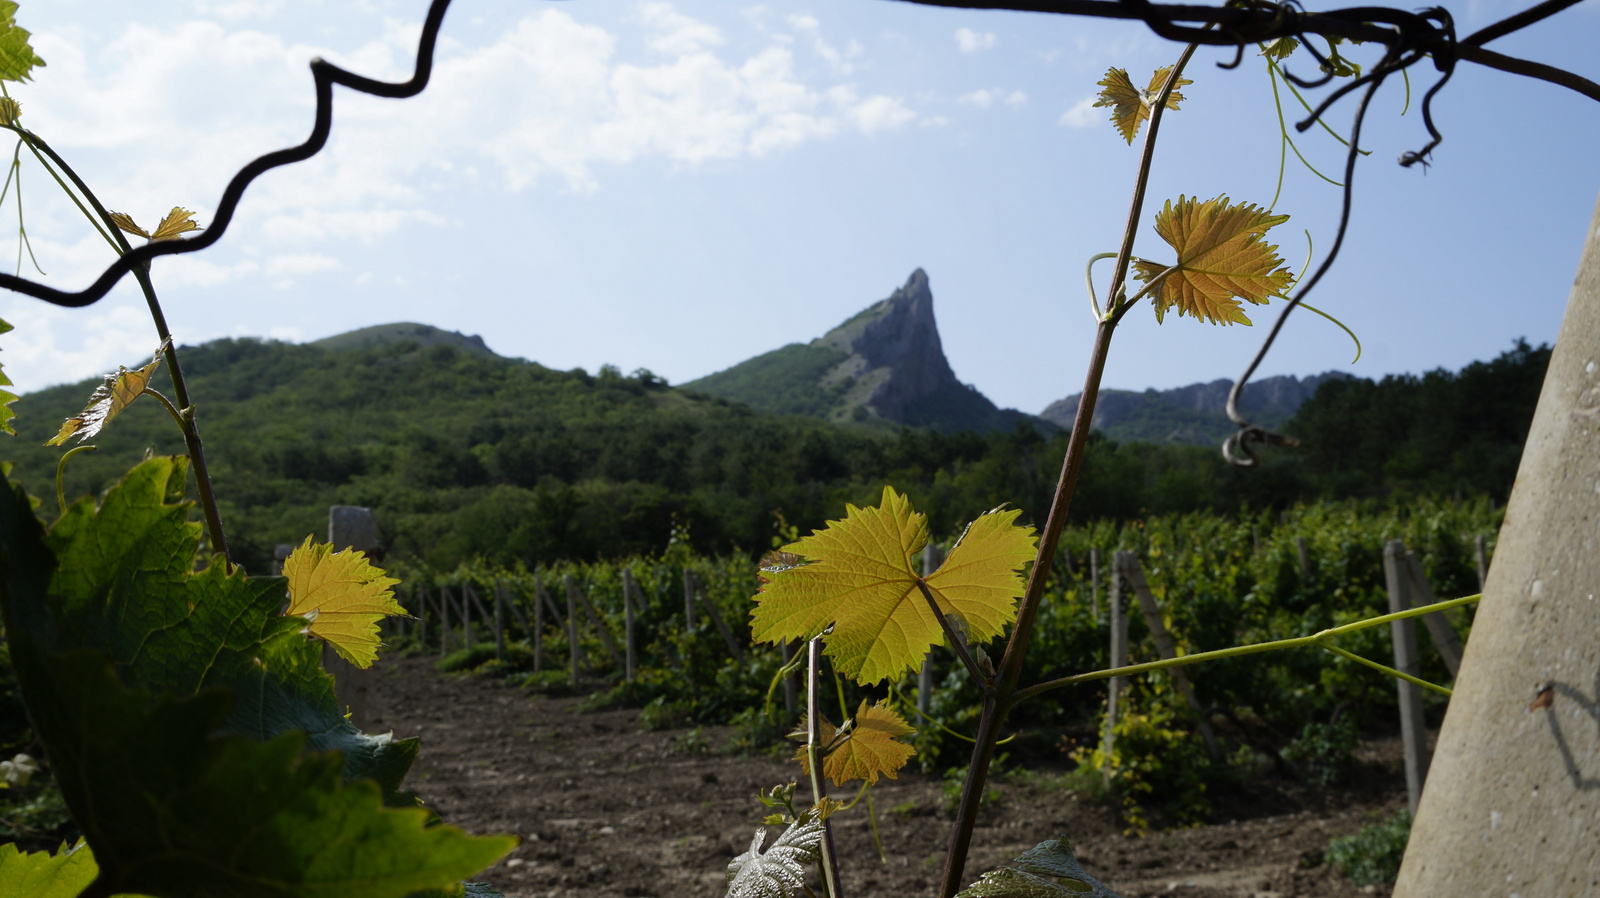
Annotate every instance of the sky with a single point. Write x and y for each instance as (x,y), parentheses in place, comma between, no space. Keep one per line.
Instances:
(679,186)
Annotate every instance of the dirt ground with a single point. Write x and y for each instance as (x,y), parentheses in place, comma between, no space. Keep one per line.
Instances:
(605,809)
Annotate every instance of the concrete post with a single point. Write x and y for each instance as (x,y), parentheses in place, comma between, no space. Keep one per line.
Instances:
(1513,800)
(1403,633)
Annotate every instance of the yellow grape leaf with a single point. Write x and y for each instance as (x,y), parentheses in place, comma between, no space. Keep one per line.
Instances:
(108,400)
(867,751)
(1221,255)
(860,580)
(1130,106)
(341,596)
(178,222)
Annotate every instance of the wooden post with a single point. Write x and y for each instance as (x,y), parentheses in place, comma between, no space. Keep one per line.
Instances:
(499,624)
(350,528)
(510,604)
(688,600)
(539,601)
(930,563)
(627,624)
(422,616)
(600,627)
(572,627)
(444,620)
(1094,582)
(1302,557)
(733,645)
(1119,648)
(1169,649)
(791,699)
(1480,552)
(1443,635)
(1413,730)
(466,620)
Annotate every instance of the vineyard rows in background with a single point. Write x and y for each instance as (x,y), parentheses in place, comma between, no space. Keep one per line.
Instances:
(1220,581)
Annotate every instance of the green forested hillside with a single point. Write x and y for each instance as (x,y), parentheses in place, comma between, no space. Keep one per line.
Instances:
(466,454)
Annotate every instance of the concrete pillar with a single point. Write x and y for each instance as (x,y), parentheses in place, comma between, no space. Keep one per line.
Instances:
(1512,805)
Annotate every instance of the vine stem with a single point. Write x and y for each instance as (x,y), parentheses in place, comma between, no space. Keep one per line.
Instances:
(997,702)
(180,390)
(819,790)
(1319,640)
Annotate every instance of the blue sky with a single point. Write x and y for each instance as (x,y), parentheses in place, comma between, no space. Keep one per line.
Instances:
(681,185)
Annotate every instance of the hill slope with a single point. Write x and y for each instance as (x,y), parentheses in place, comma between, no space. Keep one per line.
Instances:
(885,364)
(1193,414)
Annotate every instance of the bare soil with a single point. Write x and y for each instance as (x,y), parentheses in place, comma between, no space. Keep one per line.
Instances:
(605,809)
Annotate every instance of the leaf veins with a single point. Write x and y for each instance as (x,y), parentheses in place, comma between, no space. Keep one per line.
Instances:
(860,580)
(342,596)
(868,750)
(779,869)
(1130,106)
(1221,255)
(107,401)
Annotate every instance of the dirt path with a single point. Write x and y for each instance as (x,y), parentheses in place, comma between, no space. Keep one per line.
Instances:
(607,810)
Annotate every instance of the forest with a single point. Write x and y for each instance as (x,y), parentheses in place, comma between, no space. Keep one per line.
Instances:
(465,455)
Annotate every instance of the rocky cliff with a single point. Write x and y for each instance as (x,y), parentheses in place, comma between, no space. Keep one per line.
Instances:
(1191,414)
(884,364)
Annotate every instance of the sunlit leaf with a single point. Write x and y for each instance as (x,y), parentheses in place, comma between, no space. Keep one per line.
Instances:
(17,59)
(1221,255)
(342,596)
(867,751)
(1047,870)
(1130,106)
(1280,48)
(178,222)
(6,396)
(861,581)
(780,868)
(42,875)
(108,400)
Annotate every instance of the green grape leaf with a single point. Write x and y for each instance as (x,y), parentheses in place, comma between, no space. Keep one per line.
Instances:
(108,400)
(175,707)
(342,596)
(17,59)
(6,396)
(1280,49)
(1047,870)
(778,869)
(1130,106)
(868,750)
(1221,255)
(861,581)
(41,875)
(174,811)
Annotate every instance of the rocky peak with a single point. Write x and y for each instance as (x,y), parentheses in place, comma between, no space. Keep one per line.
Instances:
(895,355)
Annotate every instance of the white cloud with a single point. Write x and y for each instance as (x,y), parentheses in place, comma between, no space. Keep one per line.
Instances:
(975,41)
(675,33)
(1082,114)
(294,264)
(984,99)
(53,345)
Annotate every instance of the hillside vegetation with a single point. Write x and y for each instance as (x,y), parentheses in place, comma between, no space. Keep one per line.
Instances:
(466,454)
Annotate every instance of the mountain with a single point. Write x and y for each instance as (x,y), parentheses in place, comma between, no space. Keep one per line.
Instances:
(1194,414)
(404,332)
(885,364)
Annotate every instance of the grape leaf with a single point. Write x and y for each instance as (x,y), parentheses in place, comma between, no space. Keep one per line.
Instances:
(342,596)
(1280,49)
(868,750)
(41,875)
(107,401)
(1221,255)
(17,59)
(6,396)
(1130,106)
(177,223)
(860,580)
(1047,870)
(128,662)
(779,869)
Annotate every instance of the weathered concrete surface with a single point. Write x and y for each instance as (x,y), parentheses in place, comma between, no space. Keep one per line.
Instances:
(1512,804)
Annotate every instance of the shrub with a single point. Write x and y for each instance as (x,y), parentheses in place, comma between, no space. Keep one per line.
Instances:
(1373,855)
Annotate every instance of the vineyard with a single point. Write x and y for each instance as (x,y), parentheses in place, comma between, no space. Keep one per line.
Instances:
(1221,581)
